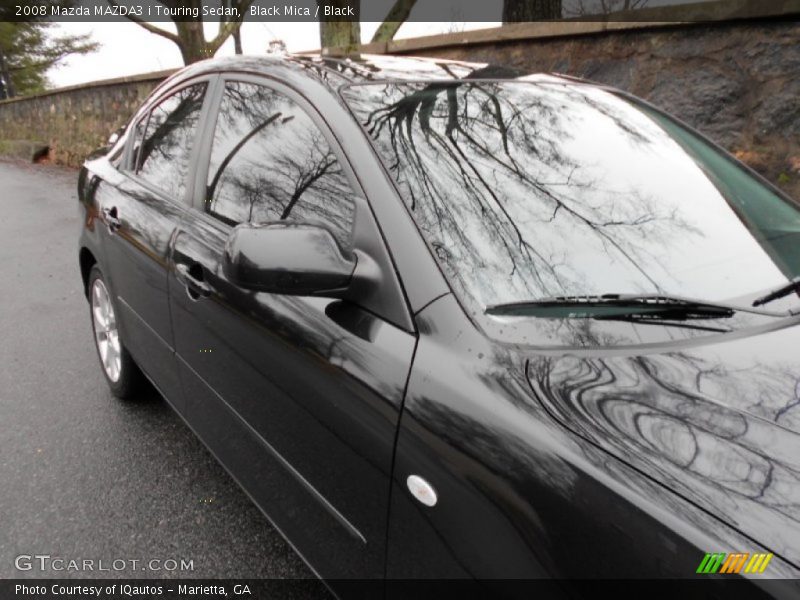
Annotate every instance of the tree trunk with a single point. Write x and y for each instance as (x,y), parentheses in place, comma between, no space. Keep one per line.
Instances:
(515,11)
(340,37)
(6,75)
(190,37)
(193,43)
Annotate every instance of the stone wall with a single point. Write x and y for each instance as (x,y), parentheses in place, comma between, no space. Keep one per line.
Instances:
(71,121)
(738,82)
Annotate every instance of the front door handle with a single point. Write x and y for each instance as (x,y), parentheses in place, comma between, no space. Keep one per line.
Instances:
(111,217)
(192,278)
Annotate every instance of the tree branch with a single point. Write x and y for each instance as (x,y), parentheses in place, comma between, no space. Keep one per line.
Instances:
(396,17)
(149,27)
(228,28)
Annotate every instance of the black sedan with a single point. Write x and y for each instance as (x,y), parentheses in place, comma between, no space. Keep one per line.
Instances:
(444,320)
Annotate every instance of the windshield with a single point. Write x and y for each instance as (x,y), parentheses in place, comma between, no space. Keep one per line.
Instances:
(527,190)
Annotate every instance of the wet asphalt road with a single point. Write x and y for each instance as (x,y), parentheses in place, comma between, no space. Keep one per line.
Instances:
(82,475)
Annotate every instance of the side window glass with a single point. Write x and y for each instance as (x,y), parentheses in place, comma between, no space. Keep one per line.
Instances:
(269,162)
(163,157)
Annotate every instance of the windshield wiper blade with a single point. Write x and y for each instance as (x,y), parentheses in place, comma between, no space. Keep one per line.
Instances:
(653,304)
(781,292)
(666,319)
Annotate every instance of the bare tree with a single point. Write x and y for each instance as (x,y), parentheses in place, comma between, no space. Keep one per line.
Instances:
(189,36)
(340,36)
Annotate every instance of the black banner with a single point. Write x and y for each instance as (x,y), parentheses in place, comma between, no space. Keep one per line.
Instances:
(445,11)
(311,589)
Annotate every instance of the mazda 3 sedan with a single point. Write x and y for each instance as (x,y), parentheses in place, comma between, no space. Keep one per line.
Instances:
(445,320)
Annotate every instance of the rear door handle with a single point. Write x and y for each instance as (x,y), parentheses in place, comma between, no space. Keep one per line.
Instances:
(112,219)
(192,278)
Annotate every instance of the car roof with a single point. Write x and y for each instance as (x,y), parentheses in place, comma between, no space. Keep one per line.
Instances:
(337,72)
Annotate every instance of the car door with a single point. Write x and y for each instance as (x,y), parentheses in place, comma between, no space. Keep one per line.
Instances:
(298,397)
(142,208)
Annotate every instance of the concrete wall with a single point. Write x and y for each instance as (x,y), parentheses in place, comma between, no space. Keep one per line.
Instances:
(738,82)
(72,121)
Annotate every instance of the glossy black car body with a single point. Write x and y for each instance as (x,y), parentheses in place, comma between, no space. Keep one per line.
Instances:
(559,459)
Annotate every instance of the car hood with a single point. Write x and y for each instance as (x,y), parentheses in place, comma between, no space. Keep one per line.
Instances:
(718,423)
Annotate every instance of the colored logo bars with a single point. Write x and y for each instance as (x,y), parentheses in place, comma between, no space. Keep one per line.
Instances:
(733,563)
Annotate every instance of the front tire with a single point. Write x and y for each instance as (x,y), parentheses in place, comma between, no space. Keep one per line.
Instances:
(123,376)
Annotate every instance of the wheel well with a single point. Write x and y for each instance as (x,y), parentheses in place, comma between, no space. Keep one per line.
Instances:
(87,261)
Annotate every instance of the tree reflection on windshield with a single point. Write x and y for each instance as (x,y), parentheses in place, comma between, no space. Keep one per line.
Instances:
(527,189)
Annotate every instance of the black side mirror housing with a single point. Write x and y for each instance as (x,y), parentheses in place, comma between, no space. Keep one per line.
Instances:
(283,257)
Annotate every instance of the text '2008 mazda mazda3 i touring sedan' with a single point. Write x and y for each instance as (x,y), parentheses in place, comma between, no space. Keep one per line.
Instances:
(443,320)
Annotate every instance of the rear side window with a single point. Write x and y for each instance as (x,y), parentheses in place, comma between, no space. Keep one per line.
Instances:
(269,162)
(162,159)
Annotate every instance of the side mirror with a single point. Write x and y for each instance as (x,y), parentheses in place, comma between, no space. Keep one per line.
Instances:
(287,258)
